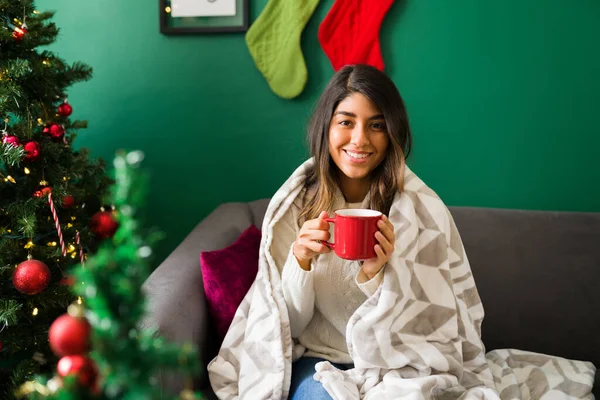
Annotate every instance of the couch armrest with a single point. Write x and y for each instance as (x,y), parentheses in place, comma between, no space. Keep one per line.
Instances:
(176,301)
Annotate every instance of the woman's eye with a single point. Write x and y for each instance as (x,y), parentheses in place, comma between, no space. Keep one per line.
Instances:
(378,126)
(345,123)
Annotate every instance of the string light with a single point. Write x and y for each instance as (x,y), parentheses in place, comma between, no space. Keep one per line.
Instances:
(29,245)
(71,248)
(27,171)
(79,301)
(168,9)
(40,121)
(10,179)
(35,311)
(52,244)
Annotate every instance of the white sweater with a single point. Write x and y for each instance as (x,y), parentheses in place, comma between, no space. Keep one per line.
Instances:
(320,301)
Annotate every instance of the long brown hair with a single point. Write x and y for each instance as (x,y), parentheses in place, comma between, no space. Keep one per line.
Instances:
(388,178)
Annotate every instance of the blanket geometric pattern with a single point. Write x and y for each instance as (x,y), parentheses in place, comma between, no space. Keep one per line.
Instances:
(418,337)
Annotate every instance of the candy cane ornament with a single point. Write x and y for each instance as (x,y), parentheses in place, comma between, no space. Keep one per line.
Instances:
(57,224)
(81,255)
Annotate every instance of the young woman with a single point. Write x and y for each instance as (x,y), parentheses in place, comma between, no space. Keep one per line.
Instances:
(404,324)
(359,139)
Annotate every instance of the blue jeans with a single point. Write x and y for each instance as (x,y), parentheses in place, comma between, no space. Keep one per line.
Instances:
(303,386)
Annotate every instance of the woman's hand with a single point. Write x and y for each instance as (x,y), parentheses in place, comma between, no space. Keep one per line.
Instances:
(308,243)
(384,249)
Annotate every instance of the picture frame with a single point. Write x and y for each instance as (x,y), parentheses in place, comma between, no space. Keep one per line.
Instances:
(188,24)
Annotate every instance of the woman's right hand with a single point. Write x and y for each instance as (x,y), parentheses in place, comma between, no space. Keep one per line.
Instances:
(308,243)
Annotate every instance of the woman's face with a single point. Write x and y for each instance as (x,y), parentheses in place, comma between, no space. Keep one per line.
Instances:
(358,138)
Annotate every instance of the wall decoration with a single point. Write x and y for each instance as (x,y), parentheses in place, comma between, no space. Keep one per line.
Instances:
(182,17)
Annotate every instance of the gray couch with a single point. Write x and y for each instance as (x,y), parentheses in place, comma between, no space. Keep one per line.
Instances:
(538,274)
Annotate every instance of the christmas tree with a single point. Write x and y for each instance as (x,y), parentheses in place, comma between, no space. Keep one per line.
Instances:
(124,358)
(50,193)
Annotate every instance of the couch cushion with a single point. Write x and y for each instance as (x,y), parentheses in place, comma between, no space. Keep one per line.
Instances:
(537,273)
(228,273)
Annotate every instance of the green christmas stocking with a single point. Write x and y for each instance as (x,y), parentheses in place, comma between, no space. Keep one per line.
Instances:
(274,43)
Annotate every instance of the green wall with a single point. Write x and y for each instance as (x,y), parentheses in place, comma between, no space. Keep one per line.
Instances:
(503,99)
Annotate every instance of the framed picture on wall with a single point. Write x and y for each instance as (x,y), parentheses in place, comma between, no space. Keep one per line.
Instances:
(183,17)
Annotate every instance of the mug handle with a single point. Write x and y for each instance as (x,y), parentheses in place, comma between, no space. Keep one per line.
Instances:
(328,244)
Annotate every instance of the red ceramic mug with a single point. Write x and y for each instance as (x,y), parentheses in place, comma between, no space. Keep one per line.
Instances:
(354,233)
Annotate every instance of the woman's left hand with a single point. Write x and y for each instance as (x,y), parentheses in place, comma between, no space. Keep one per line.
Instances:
(384,249)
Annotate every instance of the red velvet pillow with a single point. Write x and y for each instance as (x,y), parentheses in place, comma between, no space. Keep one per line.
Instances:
(227,275)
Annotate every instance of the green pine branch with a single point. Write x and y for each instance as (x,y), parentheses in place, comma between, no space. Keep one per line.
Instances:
(11,155)
(110,284)
(8,312)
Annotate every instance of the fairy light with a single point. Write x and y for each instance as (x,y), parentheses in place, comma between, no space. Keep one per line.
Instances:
(29,245)
(71,248)
(52,244)
(79,301)
(35,311)
(168,9)
(27,171)
(10,179)
(40,121)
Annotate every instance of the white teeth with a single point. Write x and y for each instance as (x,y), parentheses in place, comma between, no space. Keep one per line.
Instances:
(357,155)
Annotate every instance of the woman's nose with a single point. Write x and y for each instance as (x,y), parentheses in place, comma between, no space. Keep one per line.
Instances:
(360,137)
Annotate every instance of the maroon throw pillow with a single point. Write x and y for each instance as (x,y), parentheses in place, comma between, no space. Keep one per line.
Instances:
(227,275)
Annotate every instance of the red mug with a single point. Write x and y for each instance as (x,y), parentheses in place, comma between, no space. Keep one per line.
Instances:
(354,233)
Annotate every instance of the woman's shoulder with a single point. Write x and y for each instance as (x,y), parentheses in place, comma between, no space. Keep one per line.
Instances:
(413,184)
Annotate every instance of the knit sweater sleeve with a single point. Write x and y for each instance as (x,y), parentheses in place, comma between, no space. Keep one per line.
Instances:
(297,284)
(369,287)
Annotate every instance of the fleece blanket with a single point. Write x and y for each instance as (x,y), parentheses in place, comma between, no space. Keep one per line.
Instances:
(417,337)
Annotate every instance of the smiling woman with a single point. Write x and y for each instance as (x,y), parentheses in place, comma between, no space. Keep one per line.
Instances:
(358,136)
(358,142)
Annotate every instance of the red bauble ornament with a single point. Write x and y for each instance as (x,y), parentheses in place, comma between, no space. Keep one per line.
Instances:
(33,150)
(65,109)
(68,201)
(19,32)
(69,335)
(31,277)
(42,192)
(83,367)
(103,224)
(67,280)
(55,131)
(10,139)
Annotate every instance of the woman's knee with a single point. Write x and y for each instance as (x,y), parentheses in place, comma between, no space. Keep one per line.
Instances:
(310,389)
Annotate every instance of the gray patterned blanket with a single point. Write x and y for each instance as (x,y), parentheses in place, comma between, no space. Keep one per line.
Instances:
(418,337)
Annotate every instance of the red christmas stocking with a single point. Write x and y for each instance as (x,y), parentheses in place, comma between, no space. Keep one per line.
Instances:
(349,34)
